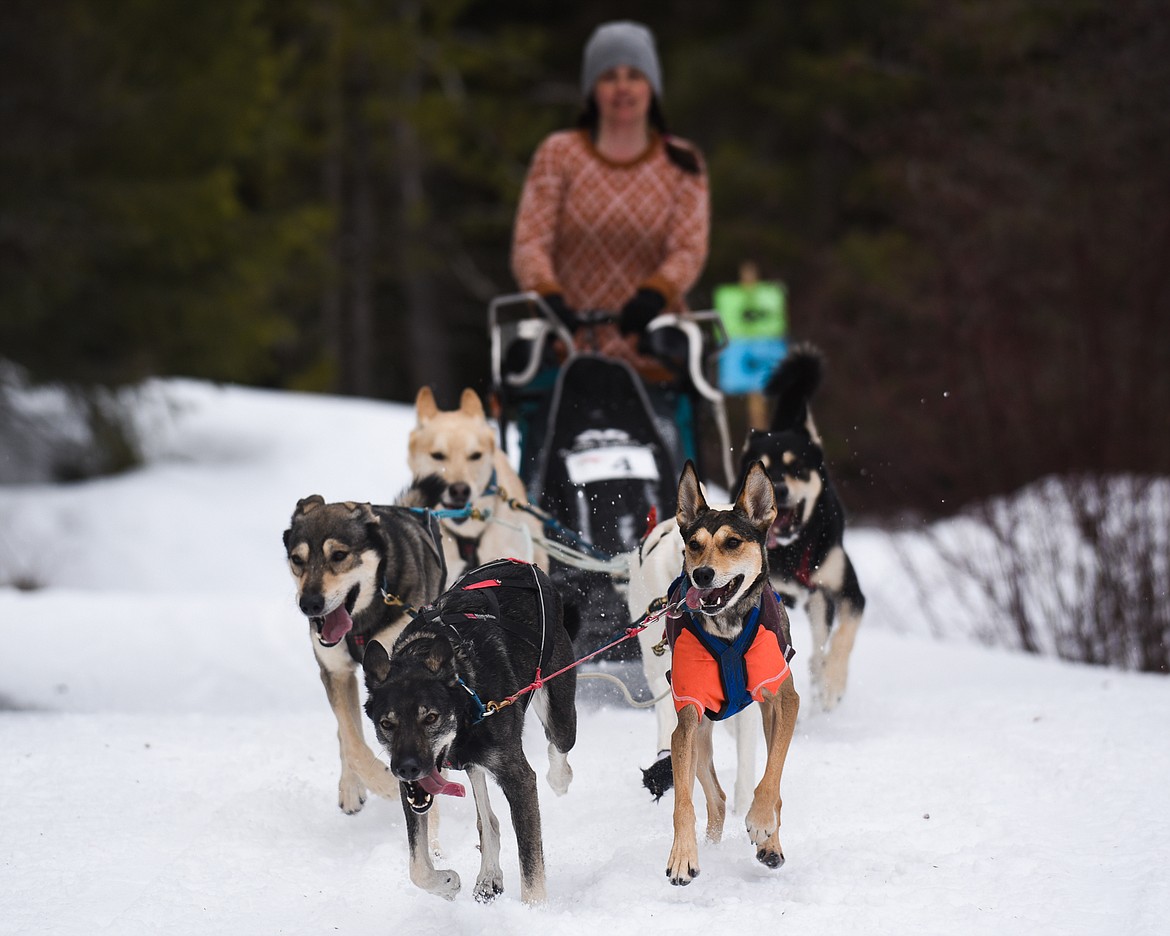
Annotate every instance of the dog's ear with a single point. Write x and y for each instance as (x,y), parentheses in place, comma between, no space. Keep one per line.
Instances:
(811,427)
(439,656)
(470,404)
(757,499)
(308,504)
(376,664)
(376,533)
(424,406)
(691,502)
(362,512)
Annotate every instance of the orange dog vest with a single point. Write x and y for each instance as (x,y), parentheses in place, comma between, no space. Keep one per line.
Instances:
(721,678)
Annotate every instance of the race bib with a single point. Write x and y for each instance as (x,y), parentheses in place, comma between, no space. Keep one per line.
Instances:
(611,462)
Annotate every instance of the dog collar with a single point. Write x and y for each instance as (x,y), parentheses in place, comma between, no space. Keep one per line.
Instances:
(804,571)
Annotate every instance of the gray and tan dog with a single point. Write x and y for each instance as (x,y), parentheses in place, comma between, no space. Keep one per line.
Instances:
(730,647)
(357,569)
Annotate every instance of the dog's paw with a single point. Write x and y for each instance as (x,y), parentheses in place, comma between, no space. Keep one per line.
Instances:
(489,888)
(771,857)
(534,895)
(762,822)
(683,865)
(715,829)
(828,682)
(560,773)
(351,794)
(831,690)
(442,882)
(382,782)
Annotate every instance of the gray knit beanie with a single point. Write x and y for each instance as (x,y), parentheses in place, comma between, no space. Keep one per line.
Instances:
(620,43)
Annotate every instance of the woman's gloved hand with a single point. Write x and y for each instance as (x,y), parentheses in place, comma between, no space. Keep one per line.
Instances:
(565,313)
(638,311)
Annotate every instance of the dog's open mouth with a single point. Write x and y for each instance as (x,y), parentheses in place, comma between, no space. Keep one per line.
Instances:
(421,793)
(418,799)
(332,627)
(786,527)
(712,600)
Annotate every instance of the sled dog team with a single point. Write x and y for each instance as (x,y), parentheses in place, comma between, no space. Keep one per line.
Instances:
(451,673)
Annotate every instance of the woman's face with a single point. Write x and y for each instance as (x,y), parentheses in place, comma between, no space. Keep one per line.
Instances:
(623,96)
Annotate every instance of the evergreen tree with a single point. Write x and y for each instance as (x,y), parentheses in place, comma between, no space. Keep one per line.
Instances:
(139,239)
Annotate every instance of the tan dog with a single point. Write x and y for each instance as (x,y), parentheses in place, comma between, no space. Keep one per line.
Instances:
(454,457)
(725,566)
(653,566)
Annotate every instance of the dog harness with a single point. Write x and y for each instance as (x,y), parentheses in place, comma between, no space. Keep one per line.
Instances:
(720,677)
(485,580)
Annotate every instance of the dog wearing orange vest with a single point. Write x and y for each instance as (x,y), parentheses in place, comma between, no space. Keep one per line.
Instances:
(807,563)
(730,647)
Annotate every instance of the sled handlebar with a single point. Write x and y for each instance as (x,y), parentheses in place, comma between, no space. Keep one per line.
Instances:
(704,334)
(703,331)
(547,320)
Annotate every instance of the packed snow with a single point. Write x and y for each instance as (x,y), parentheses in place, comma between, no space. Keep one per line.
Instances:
(170,762)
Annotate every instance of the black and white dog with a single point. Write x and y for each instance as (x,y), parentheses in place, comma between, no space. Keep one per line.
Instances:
(434,701)
(806,550)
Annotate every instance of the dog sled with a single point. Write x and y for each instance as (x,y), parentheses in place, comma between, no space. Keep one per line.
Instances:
(601,446)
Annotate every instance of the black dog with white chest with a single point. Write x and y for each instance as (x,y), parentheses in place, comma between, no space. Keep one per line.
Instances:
(436,702)
(806,552)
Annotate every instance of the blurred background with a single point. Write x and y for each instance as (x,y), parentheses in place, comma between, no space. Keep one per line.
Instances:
(968,200)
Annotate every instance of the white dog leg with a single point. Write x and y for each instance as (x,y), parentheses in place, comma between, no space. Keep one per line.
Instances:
(837,659)
(818,616)
(490,883)
(655,668)
(745,727)
(560,772)
(442,882)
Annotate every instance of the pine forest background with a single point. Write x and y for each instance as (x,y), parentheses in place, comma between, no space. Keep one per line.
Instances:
(969,201)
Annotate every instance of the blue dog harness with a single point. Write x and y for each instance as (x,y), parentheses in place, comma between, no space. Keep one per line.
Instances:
(721,677)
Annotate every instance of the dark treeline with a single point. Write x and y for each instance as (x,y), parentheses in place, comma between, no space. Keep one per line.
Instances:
(968,199)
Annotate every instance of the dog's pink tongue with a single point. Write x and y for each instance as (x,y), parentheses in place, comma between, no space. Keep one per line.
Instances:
(337,624)
(435,785)
(694,598)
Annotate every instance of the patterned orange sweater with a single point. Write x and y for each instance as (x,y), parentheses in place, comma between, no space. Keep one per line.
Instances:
(595,231)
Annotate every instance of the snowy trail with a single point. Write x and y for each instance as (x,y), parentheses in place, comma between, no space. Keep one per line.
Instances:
(169,762)
(1045,815)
